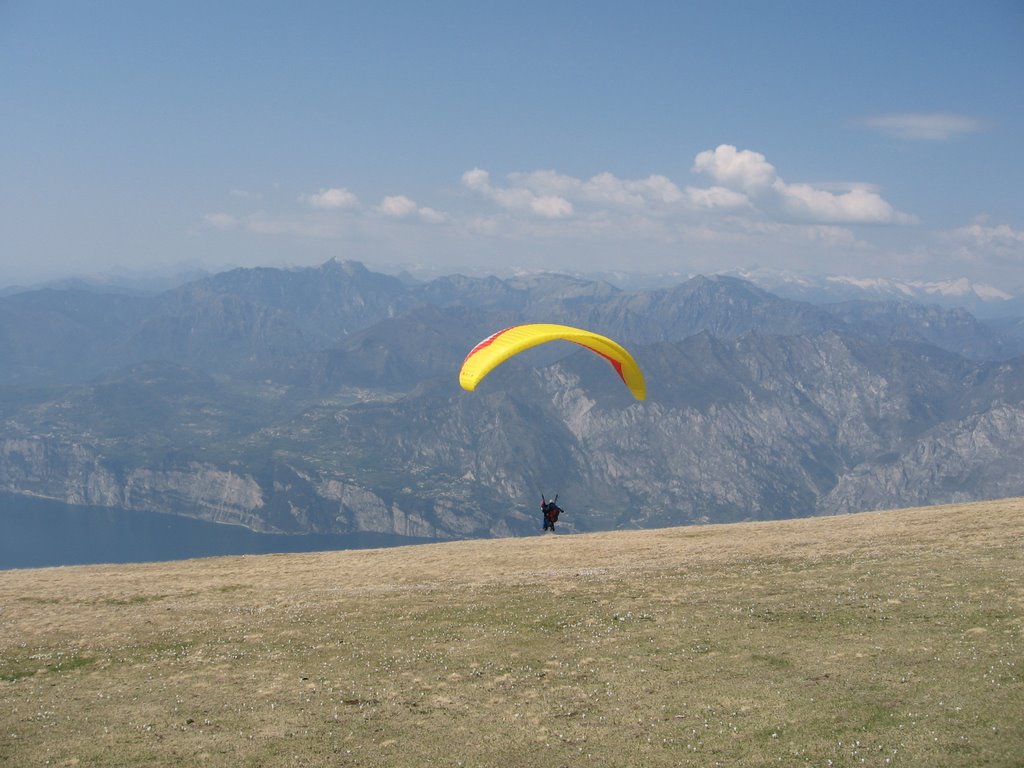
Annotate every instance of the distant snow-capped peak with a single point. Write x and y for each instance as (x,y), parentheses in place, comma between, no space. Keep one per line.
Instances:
(846,286)
(960,287)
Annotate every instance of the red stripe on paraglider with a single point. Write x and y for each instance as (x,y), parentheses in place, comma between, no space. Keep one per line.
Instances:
(615,363)
(487,342)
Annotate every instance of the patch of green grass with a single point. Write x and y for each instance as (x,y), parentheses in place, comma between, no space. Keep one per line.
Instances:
(13,670)
(133,600)
(71,663)
(225,588)
(878,717)
(772,661)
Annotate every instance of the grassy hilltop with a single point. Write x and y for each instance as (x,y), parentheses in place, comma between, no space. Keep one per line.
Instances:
(879,639)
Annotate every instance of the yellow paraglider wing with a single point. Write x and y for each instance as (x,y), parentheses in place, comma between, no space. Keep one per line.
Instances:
(496,349)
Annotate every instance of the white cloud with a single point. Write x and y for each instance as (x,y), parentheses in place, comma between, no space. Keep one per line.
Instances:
(221,220)
(431,216)
(601,189)
(999,235)
(734,168)
(521,198)
(551,207)
(402,207)
(747,187)
(398,206)
(716,197)
(758,180)
(333,199)
(655,189)
(859,205)
(545,182)
(923,126)
(551,195)
(998,244)
(659,188)
(747,207)
(477,179)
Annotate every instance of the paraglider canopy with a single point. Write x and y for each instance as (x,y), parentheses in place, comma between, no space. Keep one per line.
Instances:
(499,347)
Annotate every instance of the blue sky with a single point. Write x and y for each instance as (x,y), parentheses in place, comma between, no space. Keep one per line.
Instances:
(870,138)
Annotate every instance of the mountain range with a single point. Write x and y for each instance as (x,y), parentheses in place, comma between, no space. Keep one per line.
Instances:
(326,400)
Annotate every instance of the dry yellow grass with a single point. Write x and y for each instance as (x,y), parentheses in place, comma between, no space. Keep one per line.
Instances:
(877,639)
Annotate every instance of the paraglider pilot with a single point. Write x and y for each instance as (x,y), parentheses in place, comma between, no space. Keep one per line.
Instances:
(550,511)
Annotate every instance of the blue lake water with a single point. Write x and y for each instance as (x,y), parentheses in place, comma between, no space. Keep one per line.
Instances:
(36,533)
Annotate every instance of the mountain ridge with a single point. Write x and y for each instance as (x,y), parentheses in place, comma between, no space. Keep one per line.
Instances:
(326,400)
